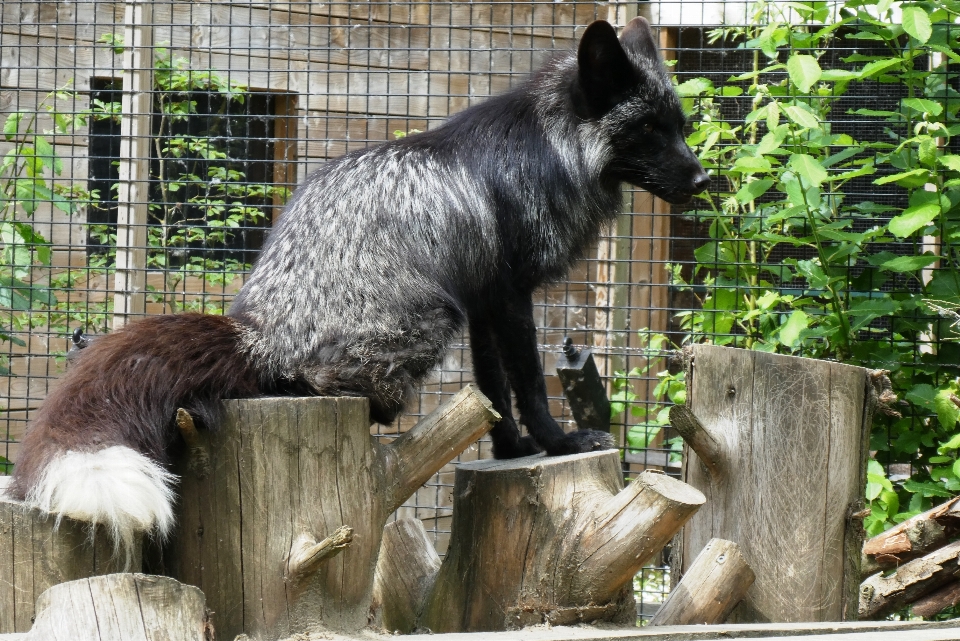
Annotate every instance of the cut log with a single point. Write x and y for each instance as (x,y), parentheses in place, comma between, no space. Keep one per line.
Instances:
(282,526)
(406,570)
(554,540)
(880,595)
(37,553)
(122,607)
(913,538)
(778,445)
(715,583)
(936,602)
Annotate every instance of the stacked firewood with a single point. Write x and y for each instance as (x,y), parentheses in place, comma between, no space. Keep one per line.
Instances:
(914,564)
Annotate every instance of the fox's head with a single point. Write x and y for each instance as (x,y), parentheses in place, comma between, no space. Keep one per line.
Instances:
(623,87)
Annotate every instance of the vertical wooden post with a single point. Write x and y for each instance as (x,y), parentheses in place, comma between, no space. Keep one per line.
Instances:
(281,525)
(134,183)
(778,445)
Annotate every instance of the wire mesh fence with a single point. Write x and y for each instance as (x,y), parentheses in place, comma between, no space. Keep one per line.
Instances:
(148,148)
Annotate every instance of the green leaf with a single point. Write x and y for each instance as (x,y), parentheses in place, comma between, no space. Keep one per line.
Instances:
(926,488)
(951,162)
(12,124)
(916,22)
(922,105)
(879,66)
(902,264)
(947,412)
(808,167)
(790,331)
(687,89)
(802,117)
(45,152)
(895,177)
(753,190)
(923,395)
(804,71)
(913,218)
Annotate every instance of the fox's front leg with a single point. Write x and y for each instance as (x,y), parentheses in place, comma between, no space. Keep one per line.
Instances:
(515,336)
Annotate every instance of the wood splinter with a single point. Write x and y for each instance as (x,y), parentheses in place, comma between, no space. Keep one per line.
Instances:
(306,554)
(199,453)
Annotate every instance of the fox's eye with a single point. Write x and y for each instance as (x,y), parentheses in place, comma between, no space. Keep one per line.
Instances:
(648,128)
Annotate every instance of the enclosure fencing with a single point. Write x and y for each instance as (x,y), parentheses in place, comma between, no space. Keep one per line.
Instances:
(148,147)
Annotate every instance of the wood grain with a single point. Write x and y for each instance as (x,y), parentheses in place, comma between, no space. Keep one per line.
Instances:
(717,580)
(792,441)
(37,553)
(288,470)
(553,540)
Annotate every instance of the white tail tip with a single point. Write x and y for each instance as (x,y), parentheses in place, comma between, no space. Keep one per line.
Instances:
(116,487)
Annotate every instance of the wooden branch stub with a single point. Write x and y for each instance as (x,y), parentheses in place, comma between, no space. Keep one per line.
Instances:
(306,554)
(935,602)
(199,452)
(122,607)
(628,530)
(551,539)
(880,594)
(913,538)
(406,570)
(707,445)
(437,439)
(715,583)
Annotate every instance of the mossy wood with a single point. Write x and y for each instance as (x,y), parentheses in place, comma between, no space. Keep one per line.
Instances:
(554,540)
(36,553)
(778,445)
(282,511)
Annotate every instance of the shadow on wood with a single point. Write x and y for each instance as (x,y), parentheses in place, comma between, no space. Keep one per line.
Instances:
(282,525)
(541,539)
(778,445)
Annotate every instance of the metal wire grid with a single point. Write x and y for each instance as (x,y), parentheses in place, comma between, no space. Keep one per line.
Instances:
(317,80)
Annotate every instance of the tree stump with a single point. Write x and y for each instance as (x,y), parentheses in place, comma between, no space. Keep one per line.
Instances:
(554,540)
(121,607)
(37,553)
(714,585)
(282,511)
(778,445)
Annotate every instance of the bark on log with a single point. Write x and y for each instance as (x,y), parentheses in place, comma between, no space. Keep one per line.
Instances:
(880,595)
(121,607)
(771,435)
(37,553)
(265,532)
(913,538)
(715,583)
(937,601)
(552,540)
(406,570)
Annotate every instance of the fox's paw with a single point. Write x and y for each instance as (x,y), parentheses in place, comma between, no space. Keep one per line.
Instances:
(525,446)
(582,441)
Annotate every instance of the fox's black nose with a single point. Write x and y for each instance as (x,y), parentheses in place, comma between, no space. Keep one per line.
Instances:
(700,182)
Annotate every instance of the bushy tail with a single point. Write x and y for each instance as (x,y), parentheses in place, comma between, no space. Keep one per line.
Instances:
(97,448)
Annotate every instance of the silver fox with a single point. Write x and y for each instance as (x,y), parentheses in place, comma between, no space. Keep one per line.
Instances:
(380,259)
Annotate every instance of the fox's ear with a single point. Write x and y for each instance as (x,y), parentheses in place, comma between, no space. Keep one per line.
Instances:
(605,72)
(638,38)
